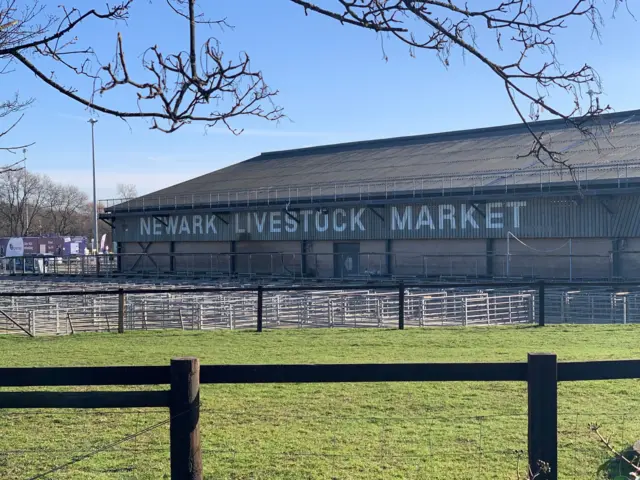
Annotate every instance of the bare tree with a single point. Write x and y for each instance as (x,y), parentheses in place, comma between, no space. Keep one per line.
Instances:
(64,210)
(126,191)
(22,195)
(199,84)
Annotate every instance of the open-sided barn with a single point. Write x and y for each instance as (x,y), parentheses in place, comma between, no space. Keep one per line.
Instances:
(466,203)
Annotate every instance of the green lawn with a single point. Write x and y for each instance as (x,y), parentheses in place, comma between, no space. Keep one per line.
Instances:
(329,431)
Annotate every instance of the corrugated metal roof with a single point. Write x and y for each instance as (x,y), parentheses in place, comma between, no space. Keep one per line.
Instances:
(462,159)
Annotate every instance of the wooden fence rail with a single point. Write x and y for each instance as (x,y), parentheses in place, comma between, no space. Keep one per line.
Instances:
(541,372)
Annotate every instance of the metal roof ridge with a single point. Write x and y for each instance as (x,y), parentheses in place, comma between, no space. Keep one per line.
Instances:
(625,116)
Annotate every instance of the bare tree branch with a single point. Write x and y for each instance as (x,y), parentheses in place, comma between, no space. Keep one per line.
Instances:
(170,90)
(126,191)
(200,83)
(530,76)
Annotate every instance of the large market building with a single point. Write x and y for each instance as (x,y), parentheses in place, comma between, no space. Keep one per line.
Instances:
(463,204)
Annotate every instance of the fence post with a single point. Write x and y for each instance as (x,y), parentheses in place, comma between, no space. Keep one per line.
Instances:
(542,379)
(260,300)
(541,319)
(32,322)
(465,309)
(401,306)
(120,310)
(184,429)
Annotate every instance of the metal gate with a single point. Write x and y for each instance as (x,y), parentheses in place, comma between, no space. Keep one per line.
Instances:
(346,259)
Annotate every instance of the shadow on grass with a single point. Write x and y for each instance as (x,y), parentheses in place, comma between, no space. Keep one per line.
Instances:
(618,468)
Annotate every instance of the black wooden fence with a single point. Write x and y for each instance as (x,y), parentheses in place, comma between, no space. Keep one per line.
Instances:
(541,372)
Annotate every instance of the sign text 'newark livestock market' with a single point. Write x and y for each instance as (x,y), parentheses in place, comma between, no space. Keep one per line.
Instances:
(421,218)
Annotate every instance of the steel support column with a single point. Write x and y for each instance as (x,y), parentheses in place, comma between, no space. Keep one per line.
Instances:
(388,256)
(616,270)
(303,258)
(232,249)
(489,258)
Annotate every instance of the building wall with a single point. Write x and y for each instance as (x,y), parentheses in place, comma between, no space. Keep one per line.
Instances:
(432,238)
(553,258)
(373,258)
(268,257)
(155,259)
(539,258)
(629,258)
(210,257)
(588,217)
(439,257)
(320,259)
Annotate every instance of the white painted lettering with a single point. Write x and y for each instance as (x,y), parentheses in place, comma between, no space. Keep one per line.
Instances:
(424,218)
(291,222)
(322,228)
(197,224)
(275,222)
(305,214)
(466,214)
(339,227)
(172,225)
(446,212)
(401,223)
(356,219)
(184,226)
(237,222)
(157,227)
(516,212)
(260,221)
(210,226)
(145,226)
(494,219)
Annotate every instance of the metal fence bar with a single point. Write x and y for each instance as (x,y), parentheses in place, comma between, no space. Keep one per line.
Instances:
(53,308)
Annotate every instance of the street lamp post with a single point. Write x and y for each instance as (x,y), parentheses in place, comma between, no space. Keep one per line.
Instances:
(93,121)
(26,203)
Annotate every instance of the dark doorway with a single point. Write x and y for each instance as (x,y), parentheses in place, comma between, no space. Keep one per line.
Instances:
(346,259)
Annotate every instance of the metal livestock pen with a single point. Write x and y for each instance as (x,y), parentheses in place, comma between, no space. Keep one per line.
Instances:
(41,309)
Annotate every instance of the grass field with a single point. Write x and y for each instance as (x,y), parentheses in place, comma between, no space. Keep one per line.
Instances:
(330,431)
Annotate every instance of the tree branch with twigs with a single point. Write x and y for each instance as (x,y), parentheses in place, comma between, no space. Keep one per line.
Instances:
(519,47)
(199,84)
(515,39)
(632,464)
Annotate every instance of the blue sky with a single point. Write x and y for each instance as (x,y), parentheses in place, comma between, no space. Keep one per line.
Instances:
(334,85)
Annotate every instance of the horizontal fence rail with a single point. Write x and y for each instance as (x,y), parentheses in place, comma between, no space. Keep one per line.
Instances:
(541,372)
